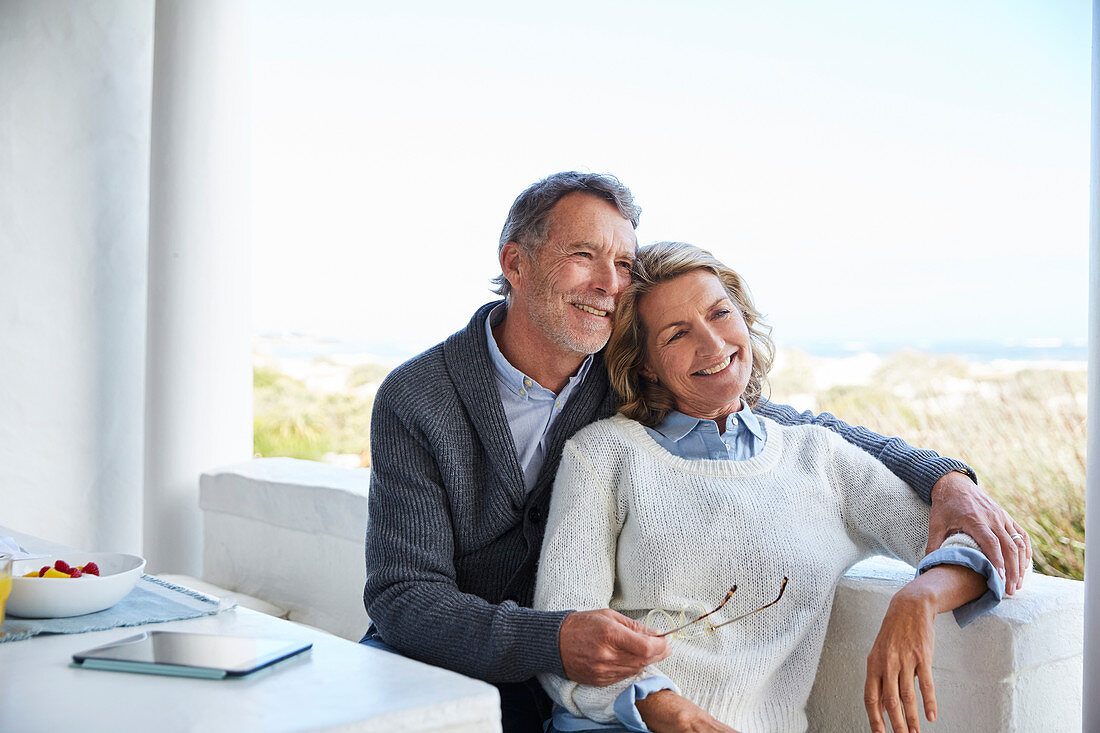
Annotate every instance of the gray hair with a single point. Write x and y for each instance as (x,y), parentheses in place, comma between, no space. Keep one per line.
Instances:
(528,220)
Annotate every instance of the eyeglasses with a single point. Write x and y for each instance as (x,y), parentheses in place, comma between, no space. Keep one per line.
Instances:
(687,611)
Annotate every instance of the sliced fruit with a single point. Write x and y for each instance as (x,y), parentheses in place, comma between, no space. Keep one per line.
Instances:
(51,573)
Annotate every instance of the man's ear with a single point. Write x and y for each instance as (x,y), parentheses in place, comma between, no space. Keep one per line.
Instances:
(512,263)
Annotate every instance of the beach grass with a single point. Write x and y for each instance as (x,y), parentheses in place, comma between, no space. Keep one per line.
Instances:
(290,419)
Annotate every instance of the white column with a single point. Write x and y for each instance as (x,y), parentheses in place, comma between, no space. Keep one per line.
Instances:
(198,411)
(1092,481)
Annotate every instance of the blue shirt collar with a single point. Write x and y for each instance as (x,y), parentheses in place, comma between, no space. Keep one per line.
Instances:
(677,425)
(748,419)
(513,379)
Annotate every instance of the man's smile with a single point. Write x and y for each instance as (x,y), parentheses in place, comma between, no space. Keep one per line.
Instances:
(590,309)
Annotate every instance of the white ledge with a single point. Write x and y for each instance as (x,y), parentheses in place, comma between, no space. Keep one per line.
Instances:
(286,492)
(291,533)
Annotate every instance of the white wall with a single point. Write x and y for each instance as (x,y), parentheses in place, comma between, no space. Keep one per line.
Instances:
(74,169)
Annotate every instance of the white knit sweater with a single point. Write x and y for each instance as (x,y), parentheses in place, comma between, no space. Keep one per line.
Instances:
(633,527)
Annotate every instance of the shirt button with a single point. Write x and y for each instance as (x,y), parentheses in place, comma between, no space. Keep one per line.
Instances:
(523,392)
(535,515)
(526,382)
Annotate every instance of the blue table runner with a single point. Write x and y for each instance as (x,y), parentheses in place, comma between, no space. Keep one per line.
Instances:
(151,601)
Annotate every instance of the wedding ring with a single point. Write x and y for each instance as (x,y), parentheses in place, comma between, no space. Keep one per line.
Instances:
(1016,536)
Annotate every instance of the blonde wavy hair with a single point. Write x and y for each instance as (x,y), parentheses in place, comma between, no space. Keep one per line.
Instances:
(642,399)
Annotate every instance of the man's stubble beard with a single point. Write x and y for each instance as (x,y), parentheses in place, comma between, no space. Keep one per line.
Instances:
(555,323)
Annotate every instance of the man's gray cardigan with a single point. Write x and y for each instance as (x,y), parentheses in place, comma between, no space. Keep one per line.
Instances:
(453,537)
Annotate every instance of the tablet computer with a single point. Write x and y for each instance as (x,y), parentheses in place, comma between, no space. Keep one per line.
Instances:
(189,655)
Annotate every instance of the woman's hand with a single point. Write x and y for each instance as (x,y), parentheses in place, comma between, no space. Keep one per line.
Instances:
(903,650)
(905,642)
(668,712)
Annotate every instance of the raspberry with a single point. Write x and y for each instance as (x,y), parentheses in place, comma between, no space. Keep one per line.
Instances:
(75,572)
(91,569)
(61,566)
(42,572)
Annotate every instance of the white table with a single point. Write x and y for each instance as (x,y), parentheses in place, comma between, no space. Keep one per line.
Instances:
(337,686)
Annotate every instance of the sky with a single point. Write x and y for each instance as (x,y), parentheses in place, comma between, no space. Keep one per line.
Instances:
(875,170)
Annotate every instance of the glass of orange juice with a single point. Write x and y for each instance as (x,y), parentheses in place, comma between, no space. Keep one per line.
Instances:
(5,586)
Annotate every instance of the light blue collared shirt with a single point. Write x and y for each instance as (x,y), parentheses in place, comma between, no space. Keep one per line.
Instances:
(698,438)
(531,409)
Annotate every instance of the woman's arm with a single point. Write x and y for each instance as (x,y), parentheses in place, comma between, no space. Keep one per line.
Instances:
(905,644)
(670,712)
(884,517)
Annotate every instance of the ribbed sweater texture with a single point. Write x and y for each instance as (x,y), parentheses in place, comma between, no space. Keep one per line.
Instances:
(453,536)
(633,527)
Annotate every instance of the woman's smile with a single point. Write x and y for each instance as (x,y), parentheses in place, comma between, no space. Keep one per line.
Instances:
(697,344)
(716,368)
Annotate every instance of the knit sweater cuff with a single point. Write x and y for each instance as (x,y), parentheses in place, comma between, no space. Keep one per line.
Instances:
(540,630)
(922,472)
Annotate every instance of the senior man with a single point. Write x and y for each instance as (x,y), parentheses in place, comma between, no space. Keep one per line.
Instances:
(466,439)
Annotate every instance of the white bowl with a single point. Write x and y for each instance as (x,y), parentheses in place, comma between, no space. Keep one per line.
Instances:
(57,597)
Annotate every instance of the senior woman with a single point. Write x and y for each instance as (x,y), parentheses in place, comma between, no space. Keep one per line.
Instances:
(660,511)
